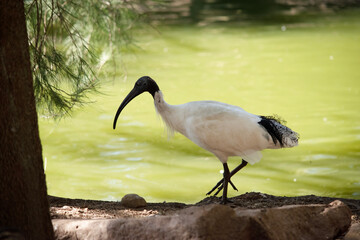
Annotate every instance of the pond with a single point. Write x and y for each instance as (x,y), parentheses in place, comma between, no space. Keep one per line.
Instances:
(307,72)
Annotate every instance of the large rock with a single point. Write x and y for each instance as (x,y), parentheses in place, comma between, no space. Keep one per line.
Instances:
(353,233)
(218,222)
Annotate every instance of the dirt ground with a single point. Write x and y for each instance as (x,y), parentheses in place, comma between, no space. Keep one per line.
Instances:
(91,209)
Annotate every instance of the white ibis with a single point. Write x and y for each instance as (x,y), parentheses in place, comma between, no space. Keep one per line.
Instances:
(222,129)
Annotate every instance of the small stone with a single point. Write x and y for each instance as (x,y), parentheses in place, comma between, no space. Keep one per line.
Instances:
(133,201)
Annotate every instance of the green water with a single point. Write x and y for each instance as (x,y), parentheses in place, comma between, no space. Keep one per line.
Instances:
(309,74)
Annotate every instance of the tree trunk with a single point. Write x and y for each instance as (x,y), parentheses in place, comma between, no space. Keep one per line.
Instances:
(24,207)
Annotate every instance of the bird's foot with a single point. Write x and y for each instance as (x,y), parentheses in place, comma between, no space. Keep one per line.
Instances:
(220,186)
(225,201)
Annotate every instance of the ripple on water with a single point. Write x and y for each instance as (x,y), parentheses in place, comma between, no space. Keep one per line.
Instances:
(133,123)
(134,159)
(120,168)
(115,182)
(120,139)
(319,170)
(108,146)
(119,152)
(356,194)
(105,117)
(319,157)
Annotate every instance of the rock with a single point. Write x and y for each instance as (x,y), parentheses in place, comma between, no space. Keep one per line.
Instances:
(133,201)
(300,221)
(354,232)
(218,222)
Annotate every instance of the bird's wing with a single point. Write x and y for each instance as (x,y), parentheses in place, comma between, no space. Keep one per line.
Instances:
(225,130)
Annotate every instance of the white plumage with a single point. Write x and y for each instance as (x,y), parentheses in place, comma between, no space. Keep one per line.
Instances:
(223,129)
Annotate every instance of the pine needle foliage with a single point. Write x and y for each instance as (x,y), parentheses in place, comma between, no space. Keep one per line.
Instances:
(62,36)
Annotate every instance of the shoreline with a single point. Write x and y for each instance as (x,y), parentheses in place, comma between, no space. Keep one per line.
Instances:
(250,216)
(66,208)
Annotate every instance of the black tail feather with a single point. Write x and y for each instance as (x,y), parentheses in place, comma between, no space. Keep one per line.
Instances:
(268,124)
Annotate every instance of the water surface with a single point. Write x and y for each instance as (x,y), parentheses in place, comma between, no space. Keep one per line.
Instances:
(306,72)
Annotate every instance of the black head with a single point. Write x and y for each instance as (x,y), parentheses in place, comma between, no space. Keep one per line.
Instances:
(146,84)
(143,84)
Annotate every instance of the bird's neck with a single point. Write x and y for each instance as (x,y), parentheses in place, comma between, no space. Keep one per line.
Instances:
(170,114)
(160,104)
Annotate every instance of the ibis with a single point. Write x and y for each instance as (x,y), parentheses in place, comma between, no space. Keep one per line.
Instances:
(222,129)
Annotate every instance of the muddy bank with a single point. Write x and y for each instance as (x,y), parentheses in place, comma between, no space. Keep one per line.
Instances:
(91,209)
(249,216)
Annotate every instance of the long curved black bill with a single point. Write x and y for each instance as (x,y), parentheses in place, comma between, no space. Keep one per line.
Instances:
(128,98)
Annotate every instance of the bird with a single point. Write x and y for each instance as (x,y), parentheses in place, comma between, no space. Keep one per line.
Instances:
(224,130)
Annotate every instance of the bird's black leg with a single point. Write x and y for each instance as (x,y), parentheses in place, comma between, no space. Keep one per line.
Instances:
(219,185)
(224,199)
